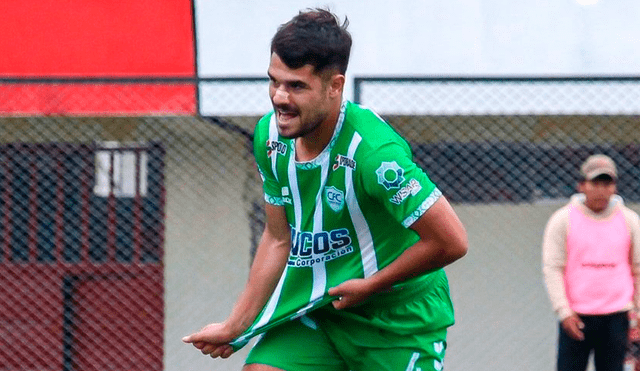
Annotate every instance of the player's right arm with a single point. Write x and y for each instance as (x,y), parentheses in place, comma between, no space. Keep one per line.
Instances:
(268,264)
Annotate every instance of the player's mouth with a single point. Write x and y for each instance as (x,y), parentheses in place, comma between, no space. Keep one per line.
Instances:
(285,115)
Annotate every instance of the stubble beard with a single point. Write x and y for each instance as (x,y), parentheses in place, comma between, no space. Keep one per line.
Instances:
(305,128)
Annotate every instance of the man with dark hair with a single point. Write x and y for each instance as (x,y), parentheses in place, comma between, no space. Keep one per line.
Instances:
(348,273)
(591,265)
(314,38)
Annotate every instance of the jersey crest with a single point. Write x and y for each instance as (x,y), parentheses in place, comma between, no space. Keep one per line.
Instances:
(334,198)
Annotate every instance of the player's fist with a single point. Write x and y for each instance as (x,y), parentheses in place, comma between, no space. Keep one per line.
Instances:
(212,340)
(350,293)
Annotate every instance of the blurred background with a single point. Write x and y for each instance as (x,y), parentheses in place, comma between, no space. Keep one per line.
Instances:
(130,204)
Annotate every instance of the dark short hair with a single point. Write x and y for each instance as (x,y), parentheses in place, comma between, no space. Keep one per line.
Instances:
(314,37)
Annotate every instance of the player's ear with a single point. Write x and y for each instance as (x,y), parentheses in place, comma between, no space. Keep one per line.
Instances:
(336,85)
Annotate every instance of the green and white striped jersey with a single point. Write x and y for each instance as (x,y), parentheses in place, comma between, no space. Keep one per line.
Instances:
(349,209)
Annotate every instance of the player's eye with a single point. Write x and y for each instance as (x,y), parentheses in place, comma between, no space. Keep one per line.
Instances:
(298,85)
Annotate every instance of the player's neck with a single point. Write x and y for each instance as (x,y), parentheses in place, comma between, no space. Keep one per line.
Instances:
(311,145)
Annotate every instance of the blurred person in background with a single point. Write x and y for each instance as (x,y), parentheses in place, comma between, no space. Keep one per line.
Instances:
(348,273)
(591,265)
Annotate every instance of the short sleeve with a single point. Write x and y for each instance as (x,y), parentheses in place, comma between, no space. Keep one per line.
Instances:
(390,176)
(262,151)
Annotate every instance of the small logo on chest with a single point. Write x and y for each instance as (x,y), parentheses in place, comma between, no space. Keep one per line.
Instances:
(274,145)
(334,197)
(344,161)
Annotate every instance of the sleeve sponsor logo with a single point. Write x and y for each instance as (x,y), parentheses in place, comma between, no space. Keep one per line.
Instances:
(411,189)
(334,197)
(275,146)
(390,175)
(344,161)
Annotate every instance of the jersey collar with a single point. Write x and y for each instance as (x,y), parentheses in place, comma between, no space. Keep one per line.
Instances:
(324,155)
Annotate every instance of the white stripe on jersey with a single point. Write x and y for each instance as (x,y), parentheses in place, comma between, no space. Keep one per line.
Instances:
(273,136)
(320,270)
(295,191)
(365,240)
(270,308)
(412,363)
(319,284)
(271,305)
(297,207)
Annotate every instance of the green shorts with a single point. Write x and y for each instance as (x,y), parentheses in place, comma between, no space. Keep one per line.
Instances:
(402,330)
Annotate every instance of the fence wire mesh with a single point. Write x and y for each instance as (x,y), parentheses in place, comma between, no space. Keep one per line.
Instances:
(506,152)
(119,235)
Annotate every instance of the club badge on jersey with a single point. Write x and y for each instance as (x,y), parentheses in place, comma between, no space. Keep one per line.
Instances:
(334,198)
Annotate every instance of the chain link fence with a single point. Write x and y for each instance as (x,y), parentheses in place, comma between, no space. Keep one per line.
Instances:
(506,152)
(105,220)
(122,234)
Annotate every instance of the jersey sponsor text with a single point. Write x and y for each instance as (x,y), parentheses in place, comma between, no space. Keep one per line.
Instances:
(278,147)
(412,188)
(345,162)
(309,248)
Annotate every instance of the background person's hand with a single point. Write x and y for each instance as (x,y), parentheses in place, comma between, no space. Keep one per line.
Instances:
(573,326)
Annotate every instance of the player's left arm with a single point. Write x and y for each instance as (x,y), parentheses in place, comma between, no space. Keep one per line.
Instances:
(443,240)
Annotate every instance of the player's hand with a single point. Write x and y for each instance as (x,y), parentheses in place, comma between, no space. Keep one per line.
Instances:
(573,326)
(350,293)
(213,340)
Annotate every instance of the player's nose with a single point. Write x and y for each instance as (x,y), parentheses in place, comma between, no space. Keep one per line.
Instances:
(280,96)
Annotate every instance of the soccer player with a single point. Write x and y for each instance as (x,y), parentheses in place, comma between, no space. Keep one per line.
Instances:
(348,273)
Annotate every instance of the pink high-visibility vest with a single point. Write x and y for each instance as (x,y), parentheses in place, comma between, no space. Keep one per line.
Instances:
(598,277)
